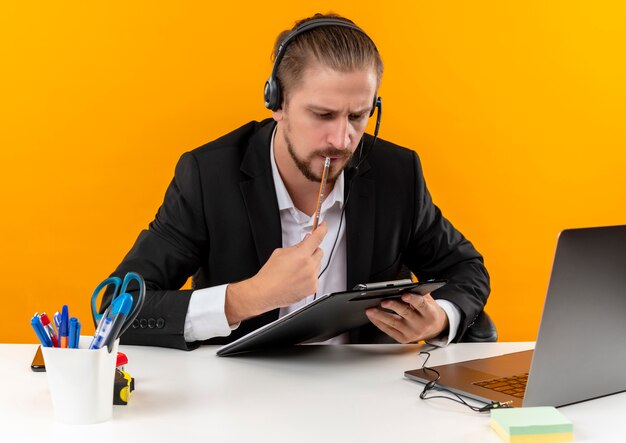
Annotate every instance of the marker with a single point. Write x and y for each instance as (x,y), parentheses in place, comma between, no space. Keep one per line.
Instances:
(121,308)
(35,322)
(45,321)
(64,326)
(320,196)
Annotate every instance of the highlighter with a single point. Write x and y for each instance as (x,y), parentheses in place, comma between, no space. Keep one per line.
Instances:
(121,309)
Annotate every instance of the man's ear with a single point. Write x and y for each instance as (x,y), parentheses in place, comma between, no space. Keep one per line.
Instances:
(278,114)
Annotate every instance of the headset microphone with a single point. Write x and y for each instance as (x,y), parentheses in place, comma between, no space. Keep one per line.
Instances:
(362,156)
(379,107)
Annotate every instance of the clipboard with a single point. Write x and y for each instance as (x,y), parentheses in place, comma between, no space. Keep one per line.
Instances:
(326,317)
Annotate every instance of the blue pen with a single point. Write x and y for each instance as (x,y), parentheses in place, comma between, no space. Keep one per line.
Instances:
(76,342)
(101,324)
(57,319)
(101,335)
(35,322)
(64,327)
(73,337)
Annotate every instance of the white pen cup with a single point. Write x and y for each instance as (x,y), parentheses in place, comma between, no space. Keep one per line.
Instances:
(81,382)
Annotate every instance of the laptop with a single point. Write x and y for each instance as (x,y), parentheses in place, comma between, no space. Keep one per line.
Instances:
(580,351)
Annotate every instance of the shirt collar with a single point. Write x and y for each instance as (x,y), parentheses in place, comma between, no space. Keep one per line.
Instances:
(284,199)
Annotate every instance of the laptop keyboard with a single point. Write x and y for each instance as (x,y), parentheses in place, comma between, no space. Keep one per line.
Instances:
(514,385)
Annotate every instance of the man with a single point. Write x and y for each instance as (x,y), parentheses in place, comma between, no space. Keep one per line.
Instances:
(238,214)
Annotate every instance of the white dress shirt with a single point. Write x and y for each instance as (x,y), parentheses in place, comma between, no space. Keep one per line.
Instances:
(206,317)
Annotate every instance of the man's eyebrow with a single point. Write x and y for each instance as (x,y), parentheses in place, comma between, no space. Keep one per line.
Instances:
(321,109)
(324,110)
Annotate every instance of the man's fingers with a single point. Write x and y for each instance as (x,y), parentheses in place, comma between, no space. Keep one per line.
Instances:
(386,323)
(404,310)
(414,318)
(318,255)
(419,303)
(312,241)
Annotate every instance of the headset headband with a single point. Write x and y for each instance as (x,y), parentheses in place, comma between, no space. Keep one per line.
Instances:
(272,95)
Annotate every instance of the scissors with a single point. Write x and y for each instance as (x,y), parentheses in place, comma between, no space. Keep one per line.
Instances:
(119,288)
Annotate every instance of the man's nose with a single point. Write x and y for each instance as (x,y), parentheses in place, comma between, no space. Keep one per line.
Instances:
(339,136)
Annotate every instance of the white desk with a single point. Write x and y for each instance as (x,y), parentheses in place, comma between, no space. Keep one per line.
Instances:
(345,393)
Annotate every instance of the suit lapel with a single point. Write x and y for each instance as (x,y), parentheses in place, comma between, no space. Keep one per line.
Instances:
(360,224)
(259,195)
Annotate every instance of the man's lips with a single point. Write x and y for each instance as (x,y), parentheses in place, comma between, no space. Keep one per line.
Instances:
(334,157)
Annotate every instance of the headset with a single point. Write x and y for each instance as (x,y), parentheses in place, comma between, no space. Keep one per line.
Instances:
(272,95)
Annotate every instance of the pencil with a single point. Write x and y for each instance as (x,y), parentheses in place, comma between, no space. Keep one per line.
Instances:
(320,196)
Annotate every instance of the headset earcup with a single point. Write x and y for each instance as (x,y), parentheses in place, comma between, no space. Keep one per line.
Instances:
(271,94)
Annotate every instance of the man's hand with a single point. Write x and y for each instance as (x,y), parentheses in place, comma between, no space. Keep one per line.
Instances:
(287,277)
(414,318)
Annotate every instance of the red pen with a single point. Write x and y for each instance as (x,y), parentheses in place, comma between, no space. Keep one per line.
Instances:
(47,325)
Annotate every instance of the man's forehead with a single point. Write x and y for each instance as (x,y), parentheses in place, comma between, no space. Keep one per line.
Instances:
(315,69)
(322,85)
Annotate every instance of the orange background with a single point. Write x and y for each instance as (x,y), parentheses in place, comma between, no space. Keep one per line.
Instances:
(516,108)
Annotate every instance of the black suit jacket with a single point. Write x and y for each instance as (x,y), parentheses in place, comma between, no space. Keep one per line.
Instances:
(220,222)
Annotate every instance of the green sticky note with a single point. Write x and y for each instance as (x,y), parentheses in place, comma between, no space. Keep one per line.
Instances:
(525,421)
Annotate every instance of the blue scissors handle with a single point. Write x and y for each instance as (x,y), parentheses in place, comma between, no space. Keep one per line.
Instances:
(120,288)
(116,282)
(140,295)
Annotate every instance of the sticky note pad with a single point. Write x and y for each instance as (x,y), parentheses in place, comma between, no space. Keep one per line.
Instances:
(541,424)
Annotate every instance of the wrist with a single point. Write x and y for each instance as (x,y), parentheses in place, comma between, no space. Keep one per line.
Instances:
(241,301)
(444,329)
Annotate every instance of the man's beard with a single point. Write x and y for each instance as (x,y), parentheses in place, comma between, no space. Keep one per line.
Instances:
(304,165)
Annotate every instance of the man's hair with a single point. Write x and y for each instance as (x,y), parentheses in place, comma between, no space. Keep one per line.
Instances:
(340,48)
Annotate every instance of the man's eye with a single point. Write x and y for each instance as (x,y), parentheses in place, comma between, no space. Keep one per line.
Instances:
(324,116)
(356,117)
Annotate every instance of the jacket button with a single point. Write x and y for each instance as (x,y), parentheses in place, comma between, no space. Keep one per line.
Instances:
(143,323)
(151,323)
(160,323)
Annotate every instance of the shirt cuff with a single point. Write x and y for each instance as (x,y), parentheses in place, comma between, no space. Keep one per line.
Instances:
(206,317)
(454,319)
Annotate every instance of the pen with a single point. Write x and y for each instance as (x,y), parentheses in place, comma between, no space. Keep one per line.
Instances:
(74,331)
(101,334)
(57,319)
(45,321)
(35,322)
(107,311)
(320,196)
(64,326)
(77,340)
